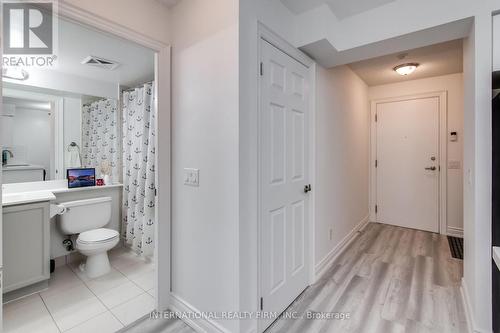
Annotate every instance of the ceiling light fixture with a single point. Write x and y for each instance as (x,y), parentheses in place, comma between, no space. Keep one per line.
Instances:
(15,73)
(406,69)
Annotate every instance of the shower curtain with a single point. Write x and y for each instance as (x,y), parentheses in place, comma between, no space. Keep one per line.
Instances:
(100,137)
(139,169)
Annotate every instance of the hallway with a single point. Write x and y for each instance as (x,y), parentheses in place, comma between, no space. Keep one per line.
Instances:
(390,279)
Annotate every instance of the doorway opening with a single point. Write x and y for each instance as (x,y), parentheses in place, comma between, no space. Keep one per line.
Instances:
(89,103)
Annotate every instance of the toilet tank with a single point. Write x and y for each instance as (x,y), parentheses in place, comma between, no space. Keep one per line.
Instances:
(84,215)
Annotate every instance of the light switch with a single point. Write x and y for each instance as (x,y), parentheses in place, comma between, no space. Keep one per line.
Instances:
(191,177)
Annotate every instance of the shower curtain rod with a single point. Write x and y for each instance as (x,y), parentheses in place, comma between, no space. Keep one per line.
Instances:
(141,84)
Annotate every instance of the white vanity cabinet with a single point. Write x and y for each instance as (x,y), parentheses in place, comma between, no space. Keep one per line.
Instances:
(26,249)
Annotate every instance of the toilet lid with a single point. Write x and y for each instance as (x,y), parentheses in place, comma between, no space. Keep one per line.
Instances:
(97,235)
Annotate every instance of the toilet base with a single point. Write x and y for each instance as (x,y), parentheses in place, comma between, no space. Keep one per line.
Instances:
(96,265)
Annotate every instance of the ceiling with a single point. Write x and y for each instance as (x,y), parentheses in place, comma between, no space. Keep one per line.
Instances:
(340,8)
(76,42)
(435,60)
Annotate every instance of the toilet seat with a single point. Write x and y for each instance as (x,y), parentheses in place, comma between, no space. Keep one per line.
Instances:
(97,236)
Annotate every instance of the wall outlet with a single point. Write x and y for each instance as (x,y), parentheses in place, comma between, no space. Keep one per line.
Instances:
(191,177)
(454,165)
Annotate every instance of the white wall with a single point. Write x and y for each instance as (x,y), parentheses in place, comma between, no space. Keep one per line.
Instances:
(342,157)
(205,136)
(32,137)
(72,124)
(63,82)
(149,17)
(477,170)
(496,43)
(453,85)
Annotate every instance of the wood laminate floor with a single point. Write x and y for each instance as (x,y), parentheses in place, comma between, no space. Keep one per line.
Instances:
(390,279)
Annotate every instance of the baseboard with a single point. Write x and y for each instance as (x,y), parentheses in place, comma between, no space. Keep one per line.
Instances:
(467,306)
(471,325)
(455,232)
(328,260)
(201,325)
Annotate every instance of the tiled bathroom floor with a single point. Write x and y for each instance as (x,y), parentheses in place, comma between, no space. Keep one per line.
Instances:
(74,303)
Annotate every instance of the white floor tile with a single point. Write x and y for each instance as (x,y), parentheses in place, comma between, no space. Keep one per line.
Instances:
(106,282)
(28,315)
(136,269)
(62,279)
(134,309)
(119,295)
(75,267)
(73,306)
(145,280)
(103,323)
(129,264)
(120,251)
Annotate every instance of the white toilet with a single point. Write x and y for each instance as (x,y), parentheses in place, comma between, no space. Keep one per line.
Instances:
(87,219)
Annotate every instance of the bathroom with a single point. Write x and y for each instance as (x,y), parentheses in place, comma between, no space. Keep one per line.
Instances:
(78,186)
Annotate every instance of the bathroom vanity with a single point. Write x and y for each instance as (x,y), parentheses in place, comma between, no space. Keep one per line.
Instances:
(26,245)
(31,238)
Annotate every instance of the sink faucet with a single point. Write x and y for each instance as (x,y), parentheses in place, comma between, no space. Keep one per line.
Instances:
(5,156)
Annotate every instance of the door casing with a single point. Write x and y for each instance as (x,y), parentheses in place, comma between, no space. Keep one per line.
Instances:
(443,157)
(162,79)
(267,35)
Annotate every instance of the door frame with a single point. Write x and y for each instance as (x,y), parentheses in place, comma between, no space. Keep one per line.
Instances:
(162,85)
(267,35)
(443,156)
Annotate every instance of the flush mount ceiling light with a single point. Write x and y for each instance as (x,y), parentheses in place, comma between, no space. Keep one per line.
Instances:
(406,69)
(15,74)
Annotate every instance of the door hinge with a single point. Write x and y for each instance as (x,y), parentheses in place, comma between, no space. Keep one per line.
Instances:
(376,117)
(261,304)
(156,192)
(261,69)
(376,163)
(376,209)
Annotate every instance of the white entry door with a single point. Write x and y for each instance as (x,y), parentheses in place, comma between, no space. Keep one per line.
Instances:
(408,163)
(284,166)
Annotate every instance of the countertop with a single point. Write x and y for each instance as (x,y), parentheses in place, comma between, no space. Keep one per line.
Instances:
(26,198)
(496,255)
(24,193)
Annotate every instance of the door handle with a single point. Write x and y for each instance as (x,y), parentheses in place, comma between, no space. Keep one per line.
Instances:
(433,168)
(307,188)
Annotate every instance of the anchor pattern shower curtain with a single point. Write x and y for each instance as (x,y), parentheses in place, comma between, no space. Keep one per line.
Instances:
(139,169)
(100,142)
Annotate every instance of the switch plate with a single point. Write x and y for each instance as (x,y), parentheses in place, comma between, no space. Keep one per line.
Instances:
(191,177)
